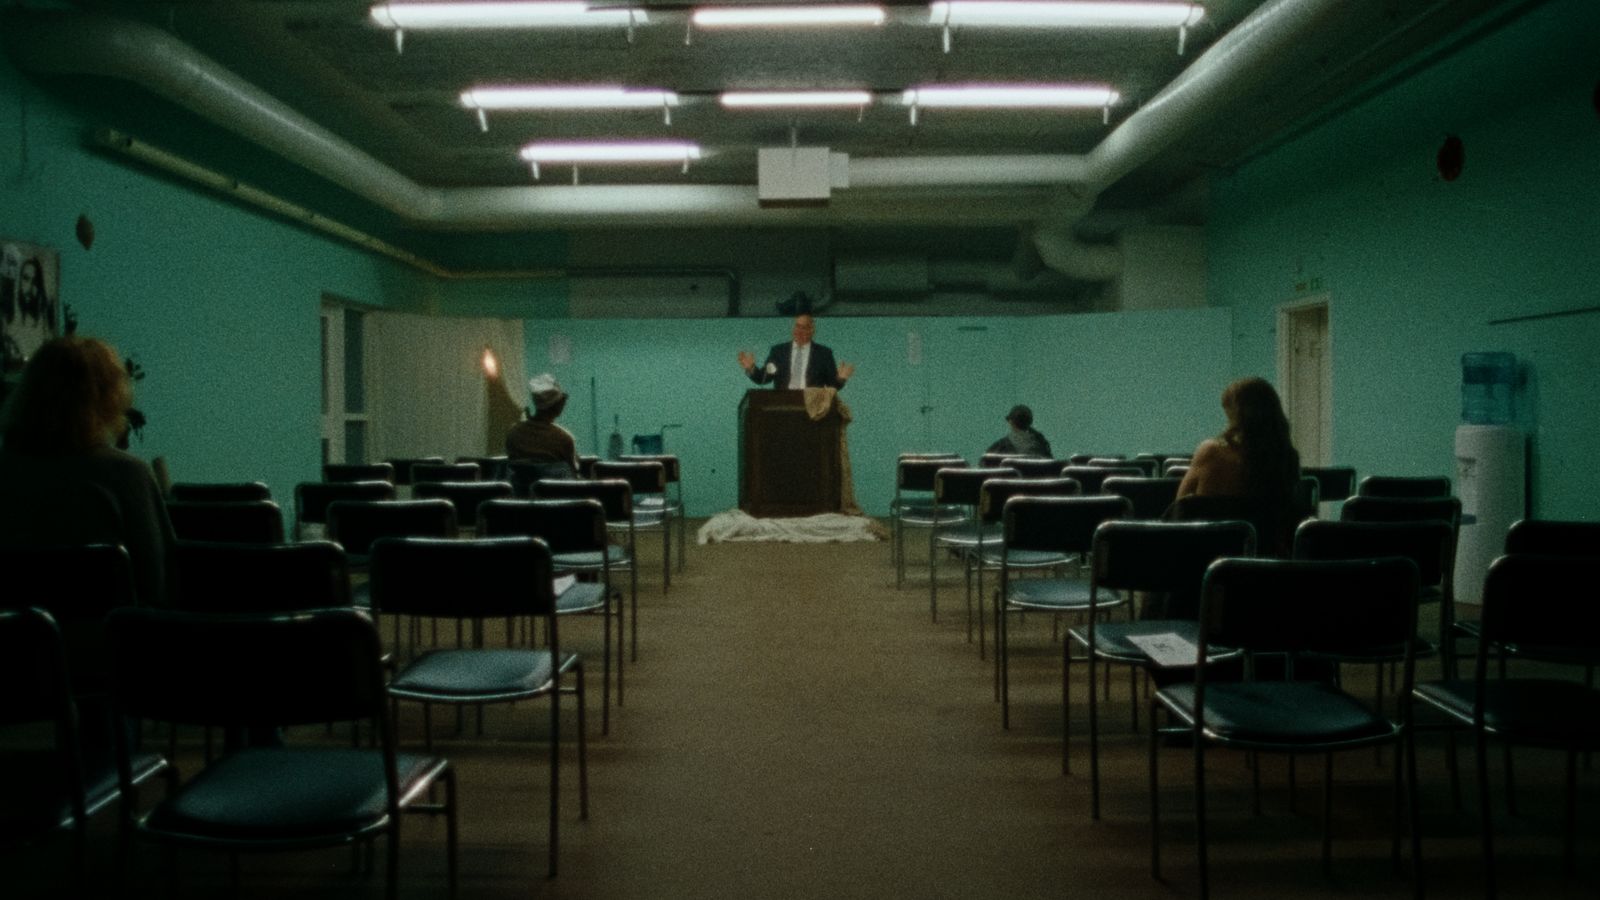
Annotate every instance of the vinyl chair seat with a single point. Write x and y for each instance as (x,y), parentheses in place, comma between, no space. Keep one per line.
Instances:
(1535,710)
(1052,595)
(1253,712)
(615,555)
(484,675)
(968,535)
(581,598)
(1111,639)
(925,513)
(42,801)
(1025,559)
(288,796)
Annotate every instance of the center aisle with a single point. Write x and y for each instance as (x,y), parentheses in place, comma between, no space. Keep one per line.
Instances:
(795,728)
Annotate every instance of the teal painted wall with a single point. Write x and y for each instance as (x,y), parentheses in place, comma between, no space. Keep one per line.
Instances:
(1416,268)
(1118,383)
(218,303)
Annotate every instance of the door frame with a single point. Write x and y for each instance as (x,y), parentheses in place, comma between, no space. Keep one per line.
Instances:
(1285,314)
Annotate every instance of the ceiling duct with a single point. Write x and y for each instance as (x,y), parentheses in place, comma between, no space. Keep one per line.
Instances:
(1279,34)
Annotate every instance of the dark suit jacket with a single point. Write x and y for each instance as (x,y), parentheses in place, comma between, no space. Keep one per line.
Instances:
(821,370)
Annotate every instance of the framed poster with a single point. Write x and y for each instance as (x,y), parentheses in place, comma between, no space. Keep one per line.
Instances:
(30,302)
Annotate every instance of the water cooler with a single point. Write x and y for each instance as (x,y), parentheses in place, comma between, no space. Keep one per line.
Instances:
(1491,465)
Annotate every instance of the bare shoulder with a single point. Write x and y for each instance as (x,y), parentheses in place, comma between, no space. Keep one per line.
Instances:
(1210,450)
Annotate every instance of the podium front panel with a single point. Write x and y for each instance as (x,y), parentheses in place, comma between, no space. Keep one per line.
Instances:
(788,464)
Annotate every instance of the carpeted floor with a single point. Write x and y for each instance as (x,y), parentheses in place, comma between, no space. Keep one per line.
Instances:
(797,727)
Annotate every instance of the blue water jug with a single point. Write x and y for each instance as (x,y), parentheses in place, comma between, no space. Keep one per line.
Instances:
(1488,386)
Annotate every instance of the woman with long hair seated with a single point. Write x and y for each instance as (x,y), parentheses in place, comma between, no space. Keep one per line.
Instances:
(1254,461)
(62,480)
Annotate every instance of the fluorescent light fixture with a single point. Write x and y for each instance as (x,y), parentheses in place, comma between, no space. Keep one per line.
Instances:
(787,16)
(999,97)
(550,14)
(566,98)
(610,152)
(1066,14)
(791,99)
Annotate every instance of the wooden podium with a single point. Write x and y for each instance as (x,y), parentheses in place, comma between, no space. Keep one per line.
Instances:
(788,464)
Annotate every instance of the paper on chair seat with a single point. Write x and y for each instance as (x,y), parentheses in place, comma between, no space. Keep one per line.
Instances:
(1166,649)
(564,582)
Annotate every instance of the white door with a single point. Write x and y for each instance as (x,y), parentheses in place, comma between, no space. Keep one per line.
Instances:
(345,414)
(1306,378)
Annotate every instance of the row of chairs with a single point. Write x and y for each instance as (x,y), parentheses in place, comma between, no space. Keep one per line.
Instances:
(1410,522)
(296,654)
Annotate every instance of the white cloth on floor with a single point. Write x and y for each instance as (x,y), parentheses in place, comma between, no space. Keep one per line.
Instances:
(738,525)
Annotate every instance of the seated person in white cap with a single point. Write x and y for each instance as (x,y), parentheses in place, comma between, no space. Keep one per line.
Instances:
(539,441)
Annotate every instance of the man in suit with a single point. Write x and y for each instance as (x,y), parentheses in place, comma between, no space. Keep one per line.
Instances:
(816,366)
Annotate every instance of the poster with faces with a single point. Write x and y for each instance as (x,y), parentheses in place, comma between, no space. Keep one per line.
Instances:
(30,303)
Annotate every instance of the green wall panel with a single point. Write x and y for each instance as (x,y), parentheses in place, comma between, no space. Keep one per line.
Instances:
(1119,383)
(1417,269)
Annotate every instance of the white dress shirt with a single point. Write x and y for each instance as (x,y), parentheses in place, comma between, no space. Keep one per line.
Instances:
(799,357)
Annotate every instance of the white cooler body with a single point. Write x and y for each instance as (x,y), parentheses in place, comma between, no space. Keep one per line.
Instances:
(1491,479)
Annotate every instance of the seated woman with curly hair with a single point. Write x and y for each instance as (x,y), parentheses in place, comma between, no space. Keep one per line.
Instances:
(62,480)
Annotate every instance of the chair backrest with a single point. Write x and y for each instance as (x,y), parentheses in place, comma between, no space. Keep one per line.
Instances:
(311,498)
(342,472)
(571,525)
(1361,508)
(1307,494)
(442,471)
(961,486)
(193,492)
(1174,470)
(586,465)
(77,584)
(462,579)
(994,493)
(238,521)
(1337,609)
(524,472)
(1403,486)
(403,466)
(490,468)
(1553,538)
(248,670)
(465,496)
(615,494)
(1166,557)
(1333,482)
(1274,525)
(644,477)
(260,578)
(1034,466)
(1429,544)
(915,473)
(1148,468)
(1058,524)
(1150,496)
(1529,602)
(992,460)
(1084,459)
(33,667)
(668,461)
(355,524)
(1093,477)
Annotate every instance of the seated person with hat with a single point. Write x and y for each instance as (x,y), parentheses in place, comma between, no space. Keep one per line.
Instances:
(543,448)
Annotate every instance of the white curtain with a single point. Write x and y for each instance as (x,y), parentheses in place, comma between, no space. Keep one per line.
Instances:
(426,377)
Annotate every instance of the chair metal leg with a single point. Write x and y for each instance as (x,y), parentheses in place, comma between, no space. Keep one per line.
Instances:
(555,771)
(1418,882)
(933,580)
(1155,798)
(1327,813)
(1569,858)
(1486,813)
(583,748)
(633,613)
(451,841)
(1200,809)
(1004,661)
(605,668)
(1094,727)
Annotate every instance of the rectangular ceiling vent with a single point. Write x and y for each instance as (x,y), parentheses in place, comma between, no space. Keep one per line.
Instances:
(799,176)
